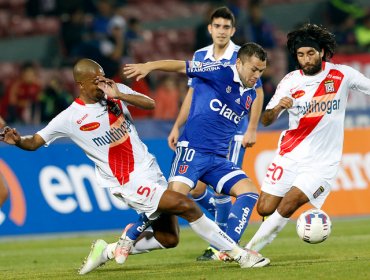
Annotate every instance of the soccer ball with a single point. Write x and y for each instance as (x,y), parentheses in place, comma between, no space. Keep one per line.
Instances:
(313,226)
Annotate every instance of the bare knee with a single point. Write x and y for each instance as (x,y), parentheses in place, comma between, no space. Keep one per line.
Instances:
(199,190)
(188,209)
(264,209)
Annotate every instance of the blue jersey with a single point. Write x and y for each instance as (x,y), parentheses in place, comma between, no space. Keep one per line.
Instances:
(206,55)
(220,101)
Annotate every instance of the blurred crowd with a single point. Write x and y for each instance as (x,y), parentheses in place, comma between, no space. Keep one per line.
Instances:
(115,32)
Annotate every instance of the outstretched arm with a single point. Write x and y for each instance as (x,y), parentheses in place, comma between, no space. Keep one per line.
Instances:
(173,137)
(269,116)
(110,88)
(29,143)
(142,69)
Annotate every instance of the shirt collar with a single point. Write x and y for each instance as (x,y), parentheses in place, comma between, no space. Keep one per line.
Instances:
(236,79)
(228,54)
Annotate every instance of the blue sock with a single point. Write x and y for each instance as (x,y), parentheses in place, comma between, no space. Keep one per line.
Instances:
(223,206)
(207,201)
(138,227)
(240,214)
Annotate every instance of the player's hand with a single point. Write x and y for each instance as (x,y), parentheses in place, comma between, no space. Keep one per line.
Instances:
(249,138)
(136,70)
(286,103)
(10,136)
(173,137)
(108,86)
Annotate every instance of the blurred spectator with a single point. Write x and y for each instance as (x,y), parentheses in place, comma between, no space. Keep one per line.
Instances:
(54,99)
(167,99)
(257,29)
(101,19)
(345,35)
(202,36)
(24,94)
(339,10)
(362,31)
(73,31)
(133,33)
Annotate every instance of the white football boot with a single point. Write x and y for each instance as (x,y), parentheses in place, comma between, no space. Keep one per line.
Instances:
(250,258)
(124,246)
(95,257)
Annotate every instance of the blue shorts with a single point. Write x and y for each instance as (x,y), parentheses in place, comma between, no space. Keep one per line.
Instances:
(236,150)
(189,166)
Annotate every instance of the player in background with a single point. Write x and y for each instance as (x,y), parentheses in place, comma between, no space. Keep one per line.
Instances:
(222,96)
(309,152)
(222,28)
(100,124)
(4,194)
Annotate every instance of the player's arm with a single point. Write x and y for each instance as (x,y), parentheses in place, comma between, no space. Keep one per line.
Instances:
(140,70)
(250,136)
(180,120)
(109,87)
(270,115)
(29,143)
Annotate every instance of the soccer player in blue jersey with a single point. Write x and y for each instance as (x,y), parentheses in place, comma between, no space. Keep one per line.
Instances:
(222,28)
(222,97)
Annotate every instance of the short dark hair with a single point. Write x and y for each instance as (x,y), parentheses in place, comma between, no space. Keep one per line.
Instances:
(223,12)
(312,32)
(252,49)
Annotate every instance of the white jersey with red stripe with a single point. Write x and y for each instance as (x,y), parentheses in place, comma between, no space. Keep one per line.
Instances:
(316,119)
(107,135)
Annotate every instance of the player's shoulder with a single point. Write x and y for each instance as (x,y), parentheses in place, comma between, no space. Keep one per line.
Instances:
(201,53)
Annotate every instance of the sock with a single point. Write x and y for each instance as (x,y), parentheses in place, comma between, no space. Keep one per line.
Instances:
(209,231)
(223,206)
(267,231)
(207,201)
(2,217)
(240,214)
(138,227)
(146,245)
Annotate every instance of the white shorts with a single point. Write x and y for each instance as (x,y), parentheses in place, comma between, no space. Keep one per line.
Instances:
(144,190)
(314,181)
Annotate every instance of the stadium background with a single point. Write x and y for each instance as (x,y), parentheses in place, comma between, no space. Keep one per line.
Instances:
(53,189)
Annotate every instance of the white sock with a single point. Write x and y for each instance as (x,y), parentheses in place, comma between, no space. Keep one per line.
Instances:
(145,245)
(209,231)
(267,231)
(2,217)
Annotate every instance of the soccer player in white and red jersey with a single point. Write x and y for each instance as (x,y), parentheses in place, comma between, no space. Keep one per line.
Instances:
(100,124)
(309,152)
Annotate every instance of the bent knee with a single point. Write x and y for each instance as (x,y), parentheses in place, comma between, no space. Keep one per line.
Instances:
(171,241)
(264,209)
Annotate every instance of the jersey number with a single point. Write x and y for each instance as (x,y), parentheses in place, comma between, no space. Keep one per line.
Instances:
(143,191)
(275,172)
(188,154)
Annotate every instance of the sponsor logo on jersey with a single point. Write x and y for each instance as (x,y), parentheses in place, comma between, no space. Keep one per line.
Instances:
(329,86)
(183,168)
(298,94)
(90,126)
(317,106)
(228,89)
(114,134)
(224,110)
(237,101)
(81,120)
(197,66)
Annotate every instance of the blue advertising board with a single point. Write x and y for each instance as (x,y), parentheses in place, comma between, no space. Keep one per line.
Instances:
(54,190)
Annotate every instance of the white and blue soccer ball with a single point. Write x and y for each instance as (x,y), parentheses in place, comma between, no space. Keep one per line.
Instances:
(313,226)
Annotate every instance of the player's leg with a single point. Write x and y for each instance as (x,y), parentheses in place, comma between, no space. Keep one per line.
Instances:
(204,197)
(270,228)
(231,180)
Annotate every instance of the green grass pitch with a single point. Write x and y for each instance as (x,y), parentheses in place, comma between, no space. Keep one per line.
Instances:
(345,255)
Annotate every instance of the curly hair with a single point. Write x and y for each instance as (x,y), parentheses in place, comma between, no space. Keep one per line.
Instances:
(324,38)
